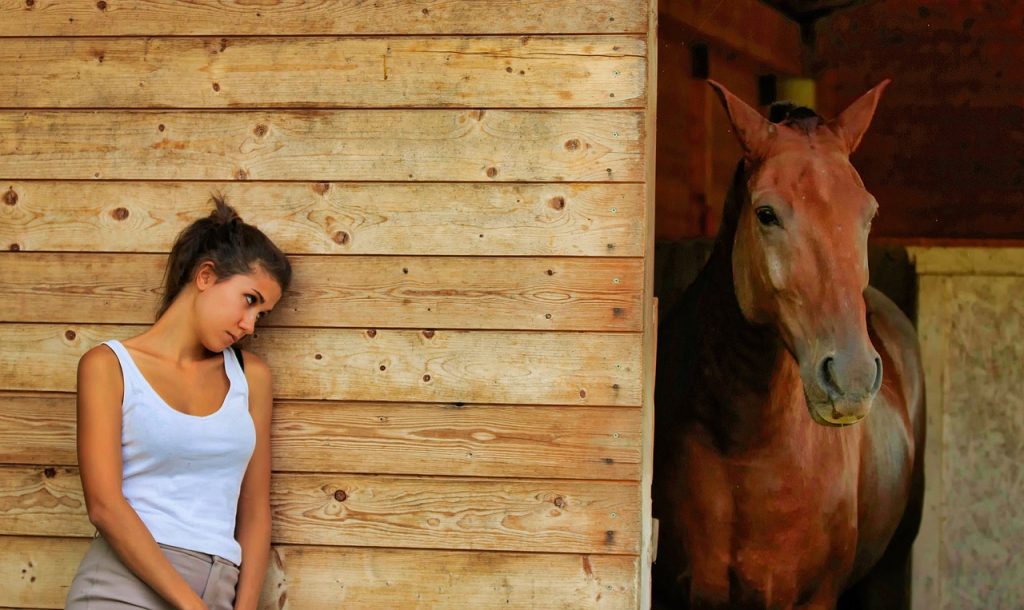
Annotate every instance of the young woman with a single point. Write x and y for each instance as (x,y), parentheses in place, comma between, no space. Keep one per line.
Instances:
(174,434)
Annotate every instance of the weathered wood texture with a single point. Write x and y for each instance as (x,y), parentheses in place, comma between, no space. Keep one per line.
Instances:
(556,294)
(376,510)
(239,17)
(386,438)
(333,218)
(397,365)
(973,349)
(451,145)
(578,71)
(465,191)
(37,571)
(943,152)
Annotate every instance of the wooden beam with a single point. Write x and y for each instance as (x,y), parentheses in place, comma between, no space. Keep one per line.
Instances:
(748,27)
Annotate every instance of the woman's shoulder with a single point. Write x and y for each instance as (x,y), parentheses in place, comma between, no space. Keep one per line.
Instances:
(256,369)
(99,359)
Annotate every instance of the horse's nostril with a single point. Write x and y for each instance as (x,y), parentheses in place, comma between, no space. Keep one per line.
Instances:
(828,376)
(878,376)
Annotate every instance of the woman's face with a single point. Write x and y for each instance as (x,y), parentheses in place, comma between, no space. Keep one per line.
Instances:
(227,310)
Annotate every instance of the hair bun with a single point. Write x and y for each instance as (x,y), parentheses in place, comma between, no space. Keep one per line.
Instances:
(223,214)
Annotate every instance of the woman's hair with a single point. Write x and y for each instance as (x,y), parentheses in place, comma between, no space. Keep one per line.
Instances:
(233,247)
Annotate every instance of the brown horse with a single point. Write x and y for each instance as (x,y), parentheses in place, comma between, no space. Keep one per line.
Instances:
(788,468)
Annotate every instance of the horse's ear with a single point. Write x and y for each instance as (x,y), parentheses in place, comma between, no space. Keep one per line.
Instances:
(851,123)
(752,130)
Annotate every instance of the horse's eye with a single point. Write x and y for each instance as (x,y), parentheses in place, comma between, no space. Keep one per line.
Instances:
(766,216)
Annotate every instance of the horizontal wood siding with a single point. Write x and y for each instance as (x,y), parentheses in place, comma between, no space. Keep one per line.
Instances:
(463,189)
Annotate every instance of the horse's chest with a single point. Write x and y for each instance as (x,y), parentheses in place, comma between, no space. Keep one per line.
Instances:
(783,530)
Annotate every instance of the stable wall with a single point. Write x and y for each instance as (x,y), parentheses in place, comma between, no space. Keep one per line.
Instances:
(971,325)
(463,366)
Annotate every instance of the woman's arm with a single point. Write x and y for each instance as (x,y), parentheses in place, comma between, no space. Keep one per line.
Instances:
(252,528)
(100,391)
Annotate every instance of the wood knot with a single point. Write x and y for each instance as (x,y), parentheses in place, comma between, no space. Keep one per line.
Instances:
(15,247)
(426,378)
(119,213)
(318,357)
(99,57)
(216,86)
(615,386)
(49,473)
(583,393)
(70,335)
(160,127)
(260,131)
(617,312)
(559,502)
(429,334)
(30,3)
(11,197)
(405,270)
(509,69)
(102,5)
(550,272)
(572,144)
(492,172)
(557,202)
(371,333)
(321,188)
(241,175)
(340,238)
(340,495)
(609,538)
(608,461)
(547,316)
(383,367)
(425,12)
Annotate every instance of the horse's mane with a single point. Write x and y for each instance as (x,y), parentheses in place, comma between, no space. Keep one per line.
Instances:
(797,117)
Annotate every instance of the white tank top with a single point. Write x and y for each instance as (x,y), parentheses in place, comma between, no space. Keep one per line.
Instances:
(183,473)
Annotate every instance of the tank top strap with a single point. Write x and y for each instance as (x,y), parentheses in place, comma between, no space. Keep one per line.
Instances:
(234,370)
(129,372)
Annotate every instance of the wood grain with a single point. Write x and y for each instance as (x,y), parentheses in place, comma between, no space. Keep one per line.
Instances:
(438,292)
(272,72)
(239,17)
(430,366)
(37,571)
(415,145)
(386,438)
(377,510)
(332,218)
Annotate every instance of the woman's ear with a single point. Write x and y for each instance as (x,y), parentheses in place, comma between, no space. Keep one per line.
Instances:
(206,276)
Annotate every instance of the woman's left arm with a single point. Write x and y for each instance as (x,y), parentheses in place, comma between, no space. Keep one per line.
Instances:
(252,527)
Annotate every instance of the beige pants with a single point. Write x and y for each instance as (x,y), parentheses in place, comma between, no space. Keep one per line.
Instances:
(104,583)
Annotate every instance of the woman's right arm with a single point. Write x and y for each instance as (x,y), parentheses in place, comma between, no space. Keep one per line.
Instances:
(100,390)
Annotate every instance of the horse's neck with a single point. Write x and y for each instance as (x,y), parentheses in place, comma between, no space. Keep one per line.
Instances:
(746,382)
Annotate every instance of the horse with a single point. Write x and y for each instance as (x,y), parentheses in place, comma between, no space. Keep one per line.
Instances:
(773,485)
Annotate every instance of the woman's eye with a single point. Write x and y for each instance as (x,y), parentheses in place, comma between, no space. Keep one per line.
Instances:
(766,216)
(251,300)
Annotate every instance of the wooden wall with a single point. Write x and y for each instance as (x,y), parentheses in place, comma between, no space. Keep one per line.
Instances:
(971,321)
(697,152)
(943,154)
(463,367)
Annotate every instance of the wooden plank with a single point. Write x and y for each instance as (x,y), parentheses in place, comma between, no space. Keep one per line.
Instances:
(37,571)
(239,17)
(650,328)
(968,261)
(333,218)
(384,438)
(521,72)
(396,365)
(326,578)
(437,292)
(415,145)
(377,510)
(749,27)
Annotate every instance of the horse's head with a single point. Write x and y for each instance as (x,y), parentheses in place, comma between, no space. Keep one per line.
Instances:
(799,251)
